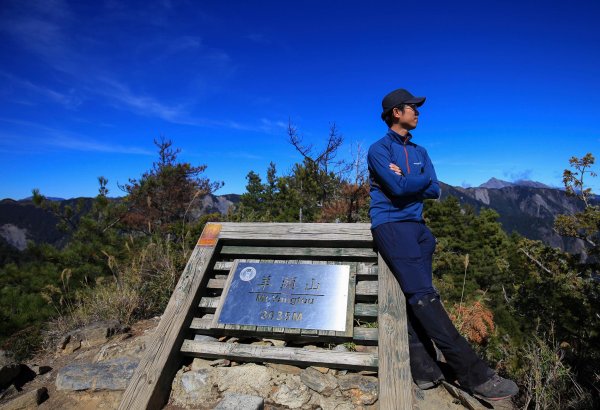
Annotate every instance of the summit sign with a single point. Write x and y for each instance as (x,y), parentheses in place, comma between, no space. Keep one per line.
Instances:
(299,296)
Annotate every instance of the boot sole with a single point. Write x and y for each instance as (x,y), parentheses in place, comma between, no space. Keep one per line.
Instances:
(479,396)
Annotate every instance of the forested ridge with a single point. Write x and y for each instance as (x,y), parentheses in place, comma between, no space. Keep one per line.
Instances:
(532,311)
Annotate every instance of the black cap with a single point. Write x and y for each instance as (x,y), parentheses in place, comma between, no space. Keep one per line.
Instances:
(397,97)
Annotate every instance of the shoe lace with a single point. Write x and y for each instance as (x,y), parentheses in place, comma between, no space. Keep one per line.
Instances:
(496,379)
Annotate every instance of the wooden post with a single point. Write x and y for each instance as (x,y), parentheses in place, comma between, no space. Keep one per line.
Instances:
(151,383)
(395,380)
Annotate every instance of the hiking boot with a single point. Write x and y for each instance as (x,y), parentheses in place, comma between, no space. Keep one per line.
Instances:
(423,367)
(496,388)
(428,384)
(468,368)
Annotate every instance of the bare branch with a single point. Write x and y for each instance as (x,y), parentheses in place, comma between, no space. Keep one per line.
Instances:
(296,141)
(537,262)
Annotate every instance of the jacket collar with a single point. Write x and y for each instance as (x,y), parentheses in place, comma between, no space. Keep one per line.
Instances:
(399,138)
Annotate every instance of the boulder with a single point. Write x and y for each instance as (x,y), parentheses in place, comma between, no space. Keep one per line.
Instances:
(10,391)
(26,401)
(363,390)
(194,387)
(111,374)
(322,383)
(249,378)
(91,335)
(9,368)
(292,394)
(236,401)
(284,368)
(40,369)
(98,333)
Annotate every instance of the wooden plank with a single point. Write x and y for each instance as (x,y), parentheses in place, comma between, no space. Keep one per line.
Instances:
(367,288)
(223,266)
(365,310)
(368,335)
(360,334)
(225,290)
(216,283)
(291,355)
(150,384)
(367,270)
(343,234)
(395,381)
(299,252)
(351,299)
(209,303)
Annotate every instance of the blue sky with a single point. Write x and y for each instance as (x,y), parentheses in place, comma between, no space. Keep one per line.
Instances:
(513,88)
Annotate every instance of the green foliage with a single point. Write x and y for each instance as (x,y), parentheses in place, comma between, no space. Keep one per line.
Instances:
(123,258)
(163,195)
(548,382)
(318,189)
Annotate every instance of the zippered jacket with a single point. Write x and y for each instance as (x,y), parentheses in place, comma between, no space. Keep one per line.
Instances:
(396,198)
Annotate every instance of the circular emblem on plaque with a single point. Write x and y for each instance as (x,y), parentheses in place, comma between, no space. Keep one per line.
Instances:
(247,274)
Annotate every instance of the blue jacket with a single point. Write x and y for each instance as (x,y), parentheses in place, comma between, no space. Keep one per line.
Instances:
(396,198)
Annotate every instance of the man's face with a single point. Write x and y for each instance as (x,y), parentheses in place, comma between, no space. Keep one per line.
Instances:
(407,118)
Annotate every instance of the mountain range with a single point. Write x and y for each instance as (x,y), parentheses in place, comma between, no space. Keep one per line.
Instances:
(526,207)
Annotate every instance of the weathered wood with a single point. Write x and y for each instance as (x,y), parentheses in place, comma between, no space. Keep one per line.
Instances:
(290,355)
(351,300)
(216,283)
(209,303)
(342,234)
(395,381)
(150,385)
(368,335)
(367,270)
(365,310)
(223,266)
(202,325)
(226,286)
(299,252)
(366,290)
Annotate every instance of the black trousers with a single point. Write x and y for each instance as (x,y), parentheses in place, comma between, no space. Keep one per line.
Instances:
(407,248)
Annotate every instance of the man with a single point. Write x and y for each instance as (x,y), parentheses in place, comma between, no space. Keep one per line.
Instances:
(401,176)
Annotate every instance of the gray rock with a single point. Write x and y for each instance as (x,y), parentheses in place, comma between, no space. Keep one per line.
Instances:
(7,357)
(191,388)
(204,338)
(276,342)
(199,363)
(10,391)
(9,368)
(250,378)
(292,395)
(236,401)
(111,374)
(363,390)
(324,384)
(98,333)
(285,368)
(72,346)
(92,335)
(28,400)
(37,369)
(220,363)
(340,348)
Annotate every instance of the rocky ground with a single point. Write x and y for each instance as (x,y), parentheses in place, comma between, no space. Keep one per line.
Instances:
(91,367)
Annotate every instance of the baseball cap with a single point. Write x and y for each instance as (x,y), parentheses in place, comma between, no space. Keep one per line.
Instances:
(397,97)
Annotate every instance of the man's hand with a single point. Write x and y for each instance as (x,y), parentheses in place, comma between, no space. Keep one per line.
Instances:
(396,169)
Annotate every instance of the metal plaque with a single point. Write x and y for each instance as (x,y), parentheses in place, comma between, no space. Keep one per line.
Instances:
(286,295)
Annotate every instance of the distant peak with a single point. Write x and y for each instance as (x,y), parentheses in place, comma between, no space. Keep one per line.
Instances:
(532,184)
(495,183)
